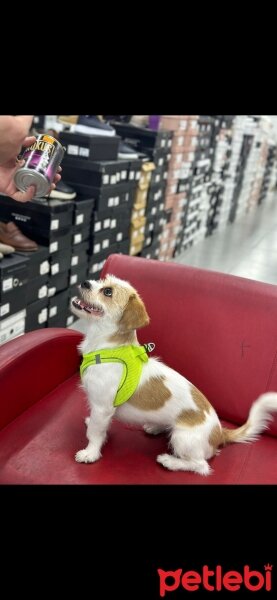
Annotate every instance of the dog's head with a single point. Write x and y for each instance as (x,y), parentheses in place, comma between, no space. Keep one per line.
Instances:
(112,301)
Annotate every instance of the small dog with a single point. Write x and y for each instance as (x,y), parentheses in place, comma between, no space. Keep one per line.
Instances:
(121,381)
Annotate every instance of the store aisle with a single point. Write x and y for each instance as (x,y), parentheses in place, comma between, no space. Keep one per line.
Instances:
(247,248)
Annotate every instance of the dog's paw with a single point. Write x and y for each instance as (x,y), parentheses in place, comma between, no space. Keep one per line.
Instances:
(87,456)
(152,429)
(87,420)
(165,460)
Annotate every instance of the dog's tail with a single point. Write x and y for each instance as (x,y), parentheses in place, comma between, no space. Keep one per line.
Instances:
(258,419)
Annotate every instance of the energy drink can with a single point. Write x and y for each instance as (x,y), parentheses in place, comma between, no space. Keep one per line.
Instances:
(42,160)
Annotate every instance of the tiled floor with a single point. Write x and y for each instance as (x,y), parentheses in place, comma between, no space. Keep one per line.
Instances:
(247,248)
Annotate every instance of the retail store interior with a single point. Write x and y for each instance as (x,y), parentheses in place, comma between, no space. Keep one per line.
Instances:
(193,189)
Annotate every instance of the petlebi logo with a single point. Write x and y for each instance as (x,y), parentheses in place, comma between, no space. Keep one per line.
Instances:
(216,579)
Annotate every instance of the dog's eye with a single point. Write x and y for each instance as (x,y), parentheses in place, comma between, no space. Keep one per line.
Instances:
(107,291)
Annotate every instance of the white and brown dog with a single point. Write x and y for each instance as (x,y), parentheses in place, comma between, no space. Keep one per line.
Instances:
(164,400)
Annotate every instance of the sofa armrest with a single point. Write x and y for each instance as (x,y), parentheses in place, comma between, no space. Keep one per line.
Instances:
(34,364)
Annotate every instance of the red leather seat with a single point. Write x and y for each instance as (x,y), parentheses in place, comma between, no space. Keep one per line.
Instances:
(218,330)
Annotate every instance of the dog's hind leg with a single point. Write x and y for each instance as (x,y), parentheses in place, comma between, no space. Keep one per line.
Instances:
(173,463)
(189,450)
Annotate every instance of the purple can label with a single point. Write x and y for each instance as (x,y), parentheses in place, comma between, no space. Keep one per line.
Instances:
(44,156)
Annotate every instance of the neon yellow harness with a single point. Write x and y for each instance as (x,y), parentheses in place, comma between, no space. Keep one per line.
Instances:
(132,359)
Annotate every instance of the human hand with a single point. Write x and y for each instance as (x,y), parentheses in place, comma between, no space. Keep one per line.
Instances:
(7,172)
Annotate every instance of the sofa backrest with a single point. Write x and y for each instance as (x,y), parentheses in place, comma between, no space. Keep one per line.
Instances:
(218,330)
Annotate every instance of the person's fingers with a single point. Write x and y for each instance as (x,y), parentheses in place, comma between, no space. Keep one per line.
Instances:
(52,187)
(29,141)
(59,169)
(57,178)
(25,196)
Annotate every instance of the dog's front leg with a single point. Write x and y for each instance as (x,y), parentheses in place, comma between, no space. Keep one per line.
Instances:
(96,433)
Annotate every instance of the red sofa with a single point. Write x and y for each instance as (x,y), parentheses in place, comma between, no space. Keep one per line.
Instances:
(218,330)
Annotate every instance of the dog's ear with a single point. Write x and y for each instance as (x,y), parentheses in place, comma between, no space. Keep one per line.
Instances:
(134,316)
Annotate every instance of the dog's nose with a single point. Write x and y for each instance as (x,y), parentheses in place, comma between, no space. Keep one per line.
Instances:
(86,284)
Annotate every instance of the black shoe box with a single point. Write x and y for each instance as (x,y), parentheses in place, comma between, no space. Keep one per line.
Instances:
(96,263)
(56,305)
(36,315)
(42,214)
(56,241)
(155,193)
(83,208)
(145,138)
(155,211)
(158,176)
(79,254)
(97,173)
(60,262)
(58,283)
(78,274)
(13,301)
(114,225)
(60,320)
(149,227)
(37,289)
(70,319)
(159,156)
(12,326)
(80,234)
(14,274)
(134,169)
(109,196)
(89,147)
(102,242)
(38,261)
(123,247)
(160,222)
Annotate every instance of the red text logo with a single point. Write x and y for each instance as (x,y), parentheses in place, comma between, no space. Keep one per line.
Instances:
(215,580)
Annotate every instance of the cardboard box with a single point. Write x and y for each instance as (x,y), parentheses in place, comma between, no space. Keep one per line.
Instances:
(36,315)
(37,290)
(14,274)
(89,147)
(12,327)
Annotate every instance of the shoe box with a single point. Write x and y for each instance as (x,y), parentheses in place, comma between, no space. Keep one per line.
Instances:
(100,243)
(58,309)
(82,210)
(14,277)
(79,254)
(60,262)
(48,215)
(151,251)
(144,138)
(13,326)
(87,147)
(158,176)
(98,173)
(105,196)
(12,302)
(36,315)
(80,233)
(38,262)
(134,169)
(37,289)
(78,274)
(58,283)
(156,193)
(96,264)
(159,156)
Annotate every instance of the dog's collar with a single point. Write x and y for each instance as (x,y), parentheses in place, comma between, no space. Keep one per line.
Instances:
(132,359)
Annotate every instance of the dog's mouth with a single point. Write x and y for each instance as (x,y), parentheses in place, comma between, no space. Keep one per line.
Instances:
(88,308)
